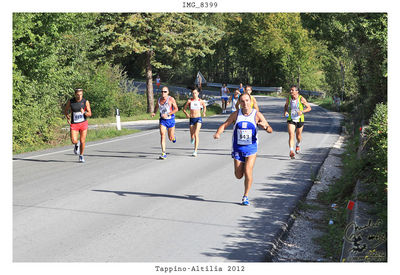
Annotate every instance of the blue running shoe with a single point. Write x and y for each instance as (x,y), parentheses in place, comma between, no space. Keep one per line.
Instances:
(163,156)
(245,201)
(174,140)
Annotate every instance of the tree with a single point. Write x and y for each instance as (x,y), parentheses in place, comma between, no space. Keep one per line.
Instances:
(168,37)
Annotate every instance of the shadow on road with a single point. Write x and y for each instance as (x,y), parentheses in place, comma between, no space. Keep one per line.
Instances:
(281,193)
(186,197)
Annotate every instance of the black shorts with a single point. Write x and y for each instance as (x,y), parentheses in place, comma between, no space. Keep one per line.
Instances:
(297,124)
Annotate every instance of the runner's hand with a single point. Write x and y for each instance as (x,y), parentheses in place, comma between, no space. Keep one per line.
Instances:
(153,114)
(216,136)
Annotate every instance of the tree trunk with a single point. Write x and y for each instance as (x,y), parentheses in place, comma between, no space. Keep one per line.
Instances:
(149,83)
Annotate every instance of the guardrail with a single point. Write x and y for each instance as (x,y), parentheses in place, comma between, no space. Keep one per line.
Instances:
(255,88)
(312,93)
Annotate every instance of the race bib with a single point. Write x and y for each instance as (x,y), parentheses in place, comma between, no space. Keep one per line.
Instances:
(195,105)
(244,136)
(78,117)
(295,116)
(163,110)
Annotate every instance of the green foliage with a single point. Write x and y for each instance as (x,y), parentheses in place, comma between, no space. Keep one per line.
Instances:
(376,157)
(52,55)
(358,41)
(102,90)
(167,40)
(131,104)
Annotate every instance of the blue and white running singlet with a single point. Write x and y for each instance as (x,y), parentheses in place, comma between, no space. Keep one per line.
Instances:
(244,139)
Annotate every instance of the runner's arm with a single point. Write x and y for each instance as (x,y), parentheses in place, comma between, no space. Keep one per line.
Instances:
(88,112)
(66,111)
(261,121)
(174,106)
(305,103)
(285,110)
(204,107)
(184,108)
(231,119)
(155,110)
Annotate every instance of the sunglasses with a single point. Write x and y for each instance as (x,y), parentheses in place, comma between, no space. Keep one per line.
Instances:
(164,91)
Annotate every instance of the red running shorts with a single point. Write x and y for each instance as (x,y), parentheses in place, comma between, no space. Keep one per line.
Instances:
(79,126)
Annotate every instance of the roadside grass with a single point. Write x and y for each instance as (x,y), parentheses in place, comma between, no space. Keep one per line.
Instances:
(332,241)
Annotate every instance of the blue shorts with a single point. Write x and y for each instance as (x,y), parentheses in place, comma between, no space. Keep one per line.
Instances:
(241,156)
(224,98)
(195,120)
(168,123)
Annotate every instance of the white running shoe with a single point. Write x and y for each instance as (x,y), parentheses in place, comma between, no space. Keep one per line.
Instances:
(194,154)
(81,159)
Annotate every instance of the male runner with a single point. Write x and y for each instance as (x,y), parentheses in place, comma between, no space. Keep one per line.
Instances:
(224,97)
(167,106)
(244,140)
(196,104)
(294,111)
(80,111)
(254,103)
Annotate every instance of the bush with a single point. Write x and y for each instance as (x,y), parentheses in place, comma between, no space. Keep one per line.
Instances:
(35,113)
(131,103)
(377,144)
(102,90)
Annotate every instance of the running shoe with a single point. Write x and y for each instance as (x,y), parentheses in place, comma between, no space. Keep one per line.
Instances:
(163,156)
(297,149)
(174,140)
(194,154)
(245,201)
(81,159)
(291,154)
(77,148)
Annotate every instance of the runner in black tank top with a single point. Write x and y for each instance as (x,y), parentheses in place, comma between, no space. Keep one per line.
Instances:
(80,110)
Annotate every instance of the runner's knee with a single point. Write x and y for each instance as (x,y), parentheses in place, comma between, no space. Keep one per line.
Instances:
(239,174)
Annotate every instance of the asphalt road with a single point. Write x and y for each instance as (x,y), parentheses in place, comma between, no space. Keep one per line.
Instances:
(125,205)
